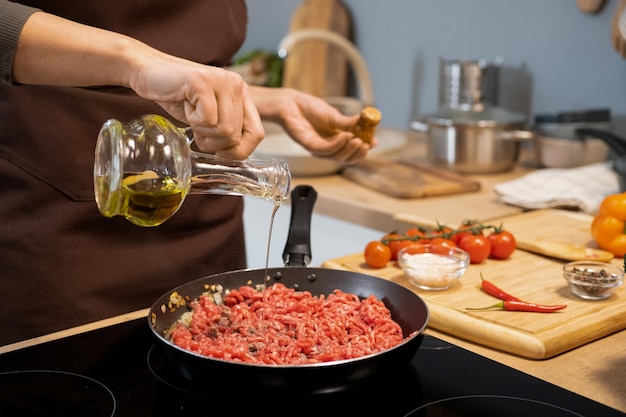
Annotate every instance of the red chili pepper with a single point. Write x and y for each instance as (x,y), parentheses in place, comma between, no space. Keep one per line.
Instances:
(493,290)
(513,305)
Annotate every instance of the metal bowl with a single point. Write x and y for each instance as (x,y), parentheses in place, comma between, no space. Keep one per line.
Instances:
(555,152)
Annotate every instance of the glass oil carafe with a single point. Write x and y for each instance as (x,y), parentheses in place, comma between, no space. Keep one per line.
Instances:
(143,170)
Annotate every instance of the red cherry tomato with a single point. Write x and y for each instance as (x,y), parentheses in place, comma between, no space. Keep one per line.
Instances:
(401,245)
(394,245)
(417,232)
(464,230)
(477,246)
(502,244)
(377,254)
(442,231)
(440,241)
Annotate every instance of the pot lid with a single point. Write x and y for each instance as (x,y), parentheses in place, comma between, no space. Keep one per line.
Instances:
(489,116)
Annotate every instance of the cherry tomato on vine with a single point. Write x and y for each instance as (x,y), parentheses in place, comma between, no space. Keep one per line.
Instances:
(377,254)
(440,241)
(414,231)
(477,246)
(401,245)
(464,230)
(394,245)
(502,244)
(441,231)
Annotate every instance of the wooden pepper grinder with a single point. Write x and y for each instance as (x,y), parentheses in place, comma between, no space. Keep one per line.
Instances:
(365,127)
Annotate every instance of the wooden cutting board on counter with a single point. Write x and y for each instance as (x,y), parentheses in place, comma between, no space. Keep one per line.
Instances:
(529,276)
(317,67)
(404,179)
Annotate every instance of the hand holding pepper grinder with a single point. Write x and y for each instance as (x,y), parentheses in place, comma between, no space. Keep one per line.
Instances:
(365,127)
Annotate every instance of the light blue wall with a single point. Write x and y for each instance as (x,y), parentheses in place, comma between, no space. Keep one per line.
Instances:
(556,57)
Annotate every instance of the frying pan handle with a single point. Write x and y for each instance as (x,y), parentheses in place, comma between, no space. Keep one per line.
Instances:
(616,143)
(298,247)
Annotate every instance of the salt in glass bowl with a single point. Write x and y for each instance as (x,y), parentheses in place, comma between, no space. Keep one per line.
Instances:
(593,280)
(433,267)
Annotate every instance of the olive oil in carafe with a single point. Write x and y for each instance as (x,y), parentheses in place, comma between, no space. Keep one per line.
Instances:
(146,201)
(144,150)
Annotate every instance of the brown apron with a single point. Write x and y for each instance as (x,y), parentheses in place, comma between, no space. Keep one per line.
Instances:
(62,263)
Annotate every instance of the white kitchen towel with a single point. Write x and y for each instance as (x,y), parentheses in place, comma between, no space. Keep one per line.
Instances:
(583,187)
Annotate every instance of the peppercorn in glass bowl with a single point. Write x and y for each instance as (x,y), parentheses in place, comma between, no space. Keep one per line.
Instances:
(433,267)
(593,280)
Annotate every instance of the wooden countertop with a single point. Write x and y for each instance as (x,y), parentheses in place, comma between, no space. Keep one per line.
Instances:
(377,210)
(596,370)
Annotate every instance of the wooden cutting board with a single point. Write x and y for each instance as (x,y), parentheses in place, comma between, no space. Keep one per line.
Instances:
(318,67)
(404,179)
(529,276)
(555,233)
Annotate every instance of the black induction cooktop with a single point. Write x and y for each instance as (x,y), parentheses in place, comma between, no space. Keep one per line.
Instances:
(118,371)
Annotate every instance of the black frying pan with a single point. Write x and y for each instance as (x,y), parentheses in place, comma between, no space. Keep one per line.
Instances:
(407,308)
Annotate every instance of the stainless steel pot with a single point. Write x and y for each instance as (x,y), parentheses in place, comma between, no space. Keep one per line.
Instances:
(470,142)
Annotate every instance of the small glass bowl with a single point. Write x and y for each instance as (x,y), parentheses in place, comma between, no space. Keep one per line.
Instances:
(433,267)
(593,280)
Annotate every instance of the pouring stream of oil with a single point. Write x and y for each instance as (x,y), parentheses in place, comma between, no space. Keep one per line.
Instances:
(266,277)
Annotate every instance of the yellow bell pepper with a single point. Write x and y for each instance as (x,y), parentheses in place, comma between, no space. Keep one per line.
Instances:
(608,227)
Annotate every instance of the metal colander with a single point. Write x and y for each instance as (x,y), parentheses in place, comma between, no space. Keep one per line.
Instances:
(468,84)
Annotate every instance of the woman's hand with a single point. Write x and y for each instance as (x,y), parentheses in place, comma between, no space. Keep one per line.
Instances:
(317,126)
(216,103)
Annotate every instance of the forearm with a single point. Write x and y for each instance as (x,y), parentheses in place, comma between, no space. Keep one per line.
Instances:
(56,51)
(270,102)
(215,102)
